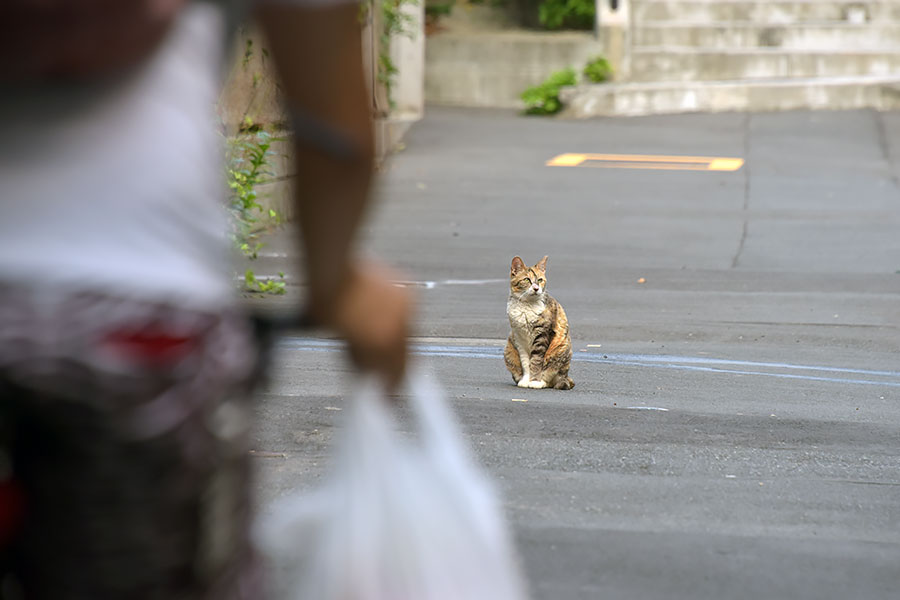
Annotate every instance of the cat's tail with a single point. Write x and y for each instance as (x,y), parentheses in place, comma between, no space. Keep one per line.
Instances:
(564,384)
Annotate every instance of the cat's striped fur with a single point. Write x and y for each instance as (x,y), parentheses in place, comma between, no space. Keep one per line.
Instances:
(539,350)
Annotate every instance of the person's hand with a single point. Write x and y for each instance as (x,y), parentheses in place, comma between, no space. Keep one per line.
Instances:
(62,39)
(373,316)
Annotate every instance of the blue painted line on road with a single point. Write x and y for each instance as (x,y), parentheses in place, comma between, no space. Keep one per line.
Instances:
(657,365)
(663,358)
(662,361)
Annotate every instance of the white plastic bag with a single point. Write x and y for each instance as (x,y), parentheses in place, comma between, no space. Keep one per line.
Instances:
(398,518)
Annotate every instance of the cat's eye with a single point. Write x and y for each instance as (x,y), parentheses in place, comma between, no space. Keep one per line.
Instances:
(541,281)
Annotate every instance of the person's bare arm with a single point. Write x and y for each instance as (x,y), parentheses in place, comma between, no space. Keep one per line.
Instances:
(318,53)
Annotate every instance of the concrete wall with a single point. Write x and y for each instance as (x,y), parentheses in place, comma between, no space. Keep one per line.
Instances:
(613,28)
(250,89)
(250,95)
(493,68)
(408,53)
(683,55)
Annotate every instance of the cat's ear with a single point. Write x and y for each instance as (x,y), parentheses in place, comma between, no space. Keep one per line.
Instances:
(516,266)
(542,264)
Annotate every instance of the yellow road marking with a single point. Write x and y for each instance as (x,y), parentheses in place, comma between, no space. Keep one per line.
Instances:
(647,161)
(567,160)
(726,164)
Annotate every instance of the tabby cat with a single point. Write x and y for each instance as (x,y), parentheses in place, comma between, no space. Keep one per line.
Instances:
(539,349)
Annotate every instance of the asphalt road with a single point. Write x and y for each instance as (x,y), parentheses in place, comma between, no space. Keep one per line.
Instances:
(734,431)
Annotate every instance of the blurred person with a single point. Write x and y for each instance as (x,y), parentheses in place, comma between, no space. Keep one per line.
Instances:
(124,358)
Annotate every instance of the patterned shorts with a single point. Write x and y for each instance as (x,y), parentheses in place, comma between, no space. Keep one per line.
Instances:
(124,466)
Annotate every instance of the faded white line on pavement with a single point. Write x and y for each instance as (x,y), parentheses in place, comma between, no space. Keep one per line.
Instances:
(428,285)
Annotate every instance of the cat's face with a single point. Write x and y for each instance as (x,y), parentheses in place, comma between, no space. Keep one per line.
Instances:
(527,282)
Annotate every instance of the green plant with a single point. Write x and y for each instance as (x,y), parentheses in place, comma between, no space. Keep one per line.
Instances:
(249,165)
(268,285)
(544,99)
(394,22)
(597,70)
(248,53)
(569,14)
(438,9)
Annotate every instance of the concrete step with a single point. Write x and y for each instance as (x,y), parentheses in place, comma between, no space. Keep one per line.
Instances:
(494,68)
(635,99)
(765,11)
(742,34)
(705,64)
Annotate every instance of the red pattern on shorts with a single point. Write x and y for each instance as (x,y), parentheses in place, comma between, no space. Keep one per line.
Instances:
(127,424)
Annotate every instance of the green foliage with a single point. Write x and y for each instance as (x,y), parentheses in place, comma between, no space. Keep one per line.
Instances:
(597,70)
(249,165)
(387,70)
(438,9)
(248,53)
(265,286)
(543,99)
(568,14)
(395,22)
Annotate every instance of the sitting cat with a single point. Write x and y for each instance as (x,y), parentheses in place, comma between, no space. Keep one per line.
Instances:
(539,349)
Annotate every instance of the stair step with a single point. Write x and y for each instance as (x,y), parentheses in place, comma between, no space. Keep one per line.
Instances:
(635,99)
(711,64)
(744,34)
(766,11)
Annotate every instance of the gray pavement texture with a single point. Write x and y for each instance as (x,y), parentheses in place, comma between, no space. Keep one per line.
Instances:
(767,325)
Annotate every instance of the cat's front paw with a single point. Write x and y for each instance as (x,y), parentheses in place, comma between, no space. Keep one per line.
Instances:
(523,383)
(537,385)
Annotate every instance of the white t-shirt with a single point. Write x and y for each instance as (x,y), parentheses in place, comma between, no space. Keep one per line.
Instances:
(125,193)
